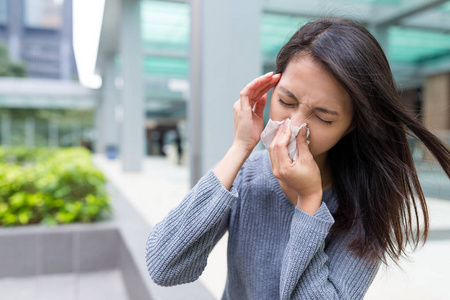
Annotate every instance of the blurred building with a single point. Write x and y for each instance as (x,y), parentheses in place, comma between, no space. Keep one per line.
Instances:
(176,62)
(171,70)
(39,33)
(48,108)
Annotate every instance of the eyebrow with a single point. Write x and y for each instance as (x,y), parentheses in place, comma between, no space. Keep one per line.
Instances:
(321,109)
(288,93)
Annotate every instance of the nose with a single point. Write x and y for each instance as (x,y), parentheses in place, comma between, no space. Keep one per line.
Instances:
(297,118)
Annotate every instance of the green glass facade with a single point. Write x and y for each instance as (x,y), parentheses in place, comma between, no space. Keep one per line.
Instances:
(165,35)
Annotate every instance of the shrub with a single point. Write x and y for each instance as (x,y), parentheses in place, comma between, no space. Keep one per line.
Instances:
(50,186)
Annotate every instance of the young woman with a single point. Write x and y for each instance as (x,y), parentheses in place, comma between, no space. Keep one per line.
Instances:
(318,227)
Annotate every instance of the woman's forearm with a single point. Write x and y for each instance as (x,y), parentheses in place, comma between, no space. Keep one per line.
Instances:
(248,125)
(228,168)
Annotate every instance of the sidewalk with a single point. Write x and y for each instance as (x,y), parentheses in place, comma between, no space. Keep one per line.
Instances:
(162,185)
(97,285)
(153,193)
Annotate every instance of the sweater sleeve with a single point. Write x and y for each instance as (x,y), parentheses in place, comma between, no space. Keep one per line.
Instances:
(178,247)
(311,271)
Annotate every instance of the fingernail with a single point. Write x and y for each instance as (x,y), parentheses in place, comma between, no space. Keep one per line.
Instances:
(277,75)
(271,72)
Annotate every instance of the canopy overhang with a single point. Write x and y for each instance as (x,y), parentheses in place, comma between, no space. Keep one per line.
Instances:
(44,93)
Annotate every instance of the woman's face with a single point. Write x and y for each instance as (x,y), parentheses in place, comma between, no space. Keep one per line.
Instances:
(308,93)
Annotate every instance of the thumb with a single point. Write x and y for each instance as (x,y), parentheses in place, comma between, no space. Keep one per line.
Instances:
(302,141)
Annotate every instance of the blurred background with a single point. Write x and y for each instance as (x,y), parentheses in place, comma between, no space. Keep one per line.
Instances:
(114,106)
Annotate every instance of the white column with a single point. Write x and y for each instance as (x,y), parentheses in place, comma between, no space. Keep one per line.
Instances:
(30,131)
(15,30)
(225,56)
(133,129)
(99,123)
(65,50)
(110,102)
(6,130)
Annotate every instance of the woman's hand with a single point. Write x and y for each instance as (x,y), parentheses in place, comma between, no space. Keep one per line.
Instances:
(248,112)
(248,125)
(300,180)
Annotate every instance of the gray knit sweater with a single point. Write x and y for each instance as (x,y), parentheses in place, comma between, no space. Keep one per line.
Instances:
(275,250)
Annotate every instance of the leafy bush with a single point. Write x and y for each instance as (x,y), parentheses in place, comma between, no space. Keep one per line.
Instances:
(50,186)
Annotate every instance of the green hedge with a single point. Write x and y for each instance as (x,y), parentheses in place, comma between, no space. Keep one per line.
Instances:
(50,186)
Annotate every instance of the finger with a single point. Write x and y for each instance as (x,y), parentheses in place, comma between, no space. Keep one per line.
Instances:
(263,89)
(273,152)
(245,103)
(247,94)
(262,85)
(259,106)
(279,147)
(282,152)
(237,106)
(302,142)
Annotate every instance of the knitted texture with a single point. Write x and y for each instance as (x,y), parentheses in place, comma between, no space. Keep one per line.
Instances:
(275,250)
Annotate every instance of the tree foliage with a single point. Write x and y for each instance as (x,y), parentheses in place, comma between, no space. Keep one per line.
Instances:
(9,68)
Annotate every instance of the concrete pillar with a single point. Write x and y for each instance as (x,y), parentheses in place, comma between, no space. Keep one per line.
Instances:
(53,133)
(110,129)
(16,8)
(99,146)
(30,132)
(65,50)
(225,56)
(6,130)
(133,129)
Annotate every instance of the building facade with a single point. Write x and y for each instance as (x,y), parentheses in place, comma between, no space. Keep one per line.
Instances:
(39,34)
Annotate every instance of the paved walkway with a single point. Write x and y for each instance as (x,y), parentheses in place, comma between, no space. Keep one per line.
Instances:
(162,185)
(85,286)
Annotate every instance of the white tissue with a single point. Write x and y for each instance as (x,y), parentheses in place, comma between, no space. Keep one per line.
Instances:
(271,129)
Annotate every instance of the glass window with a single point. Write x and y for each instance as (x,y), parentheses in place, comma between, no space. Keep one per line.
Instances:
(43,13)
(276,30)
(165,26)
(414,46)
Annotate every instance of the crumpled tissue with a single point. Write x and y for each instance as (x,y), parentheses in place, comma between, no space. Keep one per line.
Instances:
(271,129)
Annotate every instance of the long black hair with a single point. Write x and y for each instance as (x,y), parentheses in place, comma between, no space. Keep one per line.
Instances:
(374,176)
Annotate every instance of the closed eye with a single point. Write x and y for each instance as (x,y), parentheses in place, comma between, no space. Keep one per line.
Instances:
(324,121)
(285,103)
(328,123)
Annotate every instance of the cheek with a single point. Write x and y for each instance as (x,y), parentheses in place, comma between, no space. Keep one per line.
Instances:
(321,140)
(276,113)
